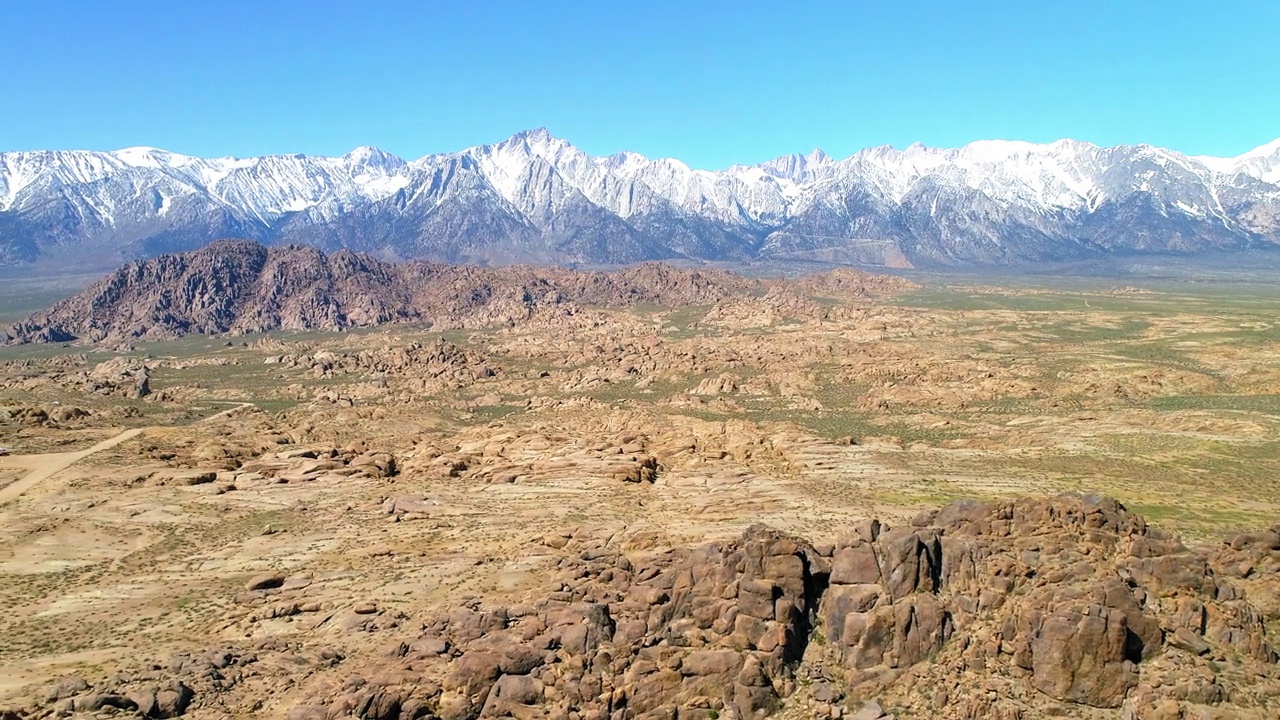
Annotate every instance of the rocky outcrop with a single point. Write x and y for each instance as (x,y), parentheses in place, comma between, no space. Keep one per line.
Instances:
(1064,603)
(312,464)
(1038,607)
(43,416)
(695,632)
(119,377)
(420,366)
(511,458)
(239,286)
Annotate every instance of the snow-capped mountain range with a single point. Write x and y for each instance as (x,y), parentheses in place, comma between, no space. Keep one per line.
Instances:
(537,198)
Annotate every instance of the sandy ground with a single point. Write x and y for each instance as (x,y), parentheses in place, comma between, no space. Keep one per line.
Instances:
(137,545)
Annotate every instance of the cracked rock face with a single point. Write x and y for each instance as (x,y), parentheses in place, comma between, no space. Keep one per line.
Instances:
(1028,608)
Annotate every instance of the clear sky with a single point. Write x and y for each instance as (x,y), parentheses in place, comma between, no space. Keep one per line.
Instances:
(711,83)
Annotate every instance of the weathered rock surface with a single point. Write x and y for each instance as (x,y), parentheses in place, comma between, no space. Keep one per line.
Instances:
(1031,608)
(239,286)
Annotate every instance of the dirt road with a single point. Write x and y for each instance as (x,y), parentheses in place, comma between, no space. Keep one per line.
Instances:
(54,463)
(46,466)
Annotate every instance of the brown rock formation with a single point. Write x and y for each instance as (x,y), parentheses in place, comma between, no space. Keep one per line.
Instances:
(1062,604)
(239,286)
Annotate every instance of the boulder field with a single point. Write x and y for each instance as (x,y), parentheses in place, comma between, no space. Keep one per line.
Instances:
(1063,607)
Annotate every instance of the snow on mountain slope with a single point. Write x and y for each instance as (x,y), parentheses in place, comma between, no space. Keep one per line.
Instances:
(538,196)
(1262,162)
(624,183)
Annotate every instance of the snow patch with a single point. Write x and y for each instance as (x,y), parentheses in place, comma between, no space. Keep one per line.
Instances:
(535,172)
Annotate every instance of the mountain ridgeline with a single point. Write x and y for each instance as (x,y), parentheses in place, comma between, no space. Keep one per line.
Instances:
(535,198)
(241,286)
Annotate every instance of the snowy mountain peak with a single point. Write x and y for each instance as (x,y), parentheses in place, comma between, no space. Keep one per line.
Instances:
(797,167)
(1262,162)
(1069,146)
(538,141)
(534,135)
(995,151)
(370,156)
(818,156)
(365,153)
(1268,150)
(536,196)
(149,157)
(622,159)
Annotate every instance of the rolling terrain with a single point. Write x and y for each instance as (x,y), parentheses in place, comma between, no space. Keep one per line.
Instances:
(666,493)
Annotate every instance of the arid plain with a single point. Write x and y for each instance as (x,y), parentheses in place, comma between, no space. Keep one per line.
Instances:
(365,523)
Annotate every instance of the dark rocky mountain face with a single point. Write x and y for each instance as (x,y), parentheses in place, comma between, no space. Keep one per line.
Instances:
(240,286)
(535,198)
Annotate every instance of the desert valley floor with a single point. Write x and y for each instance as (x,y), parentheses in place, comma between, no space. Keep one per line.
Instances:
(947,499)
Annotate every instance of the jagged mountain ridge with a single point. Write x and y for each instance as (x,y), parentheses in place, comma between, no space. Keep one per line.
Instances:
(241,286)
(537,198)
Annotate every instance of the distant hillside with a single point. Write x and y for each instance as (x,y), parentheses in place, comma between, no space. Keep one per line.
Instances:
(240,286)
(538,199)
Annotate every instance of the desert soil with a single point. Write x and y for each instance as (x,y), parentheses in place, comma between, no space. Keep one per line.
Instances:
(389,475)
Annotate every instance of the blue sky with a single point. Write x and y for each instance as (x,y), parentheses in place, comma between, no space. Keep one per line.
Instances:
(712,83)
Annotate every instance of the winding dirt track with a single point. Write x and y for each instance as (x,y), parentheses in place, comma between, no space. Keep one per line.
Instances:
(54,463)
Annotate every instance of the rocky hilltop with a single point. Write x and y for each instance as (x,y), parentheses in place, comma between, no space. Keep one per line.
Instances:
(1058,607)
(241,286)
